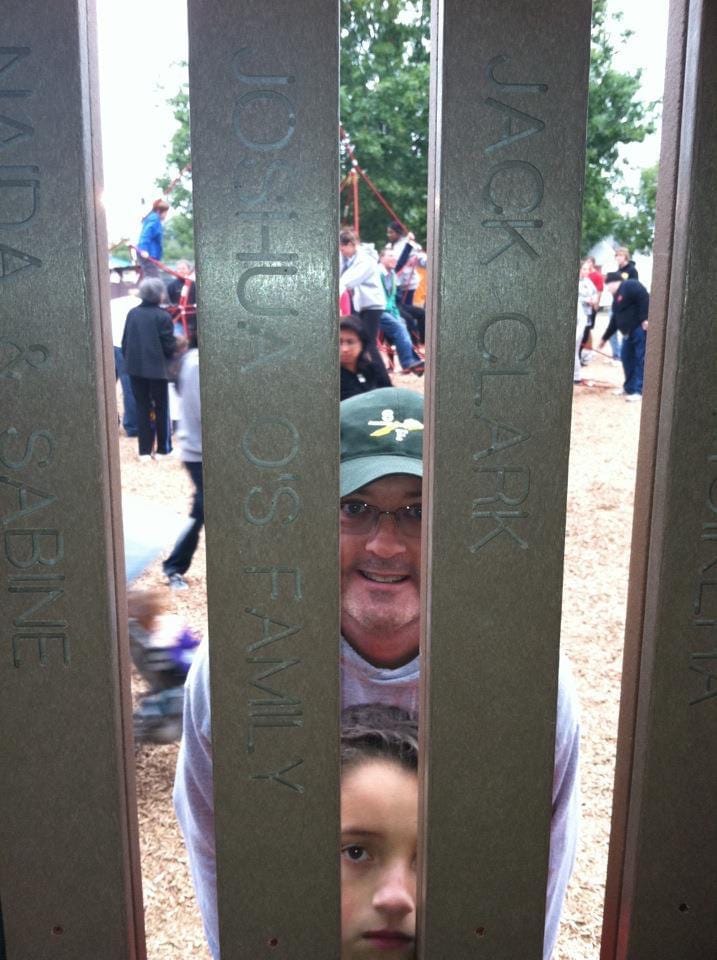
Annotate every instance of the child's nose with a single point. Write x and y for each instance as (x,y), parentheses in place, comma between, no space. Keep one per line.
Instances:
(396,893)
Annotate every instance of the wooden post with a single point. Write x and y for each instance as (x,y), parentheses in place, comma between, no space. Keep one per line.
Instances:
(664,896)
(68,848)
(264,119)
(509,96)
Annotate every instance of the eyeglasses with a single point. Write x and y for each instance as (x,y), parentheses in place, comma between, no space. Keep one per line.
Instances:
(362,518)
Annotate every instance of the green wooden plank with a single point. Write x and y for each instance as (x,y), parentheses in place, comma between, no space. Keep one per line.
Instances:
(647,452)
(264,102)
(509,98)
(66,881)
(670,884)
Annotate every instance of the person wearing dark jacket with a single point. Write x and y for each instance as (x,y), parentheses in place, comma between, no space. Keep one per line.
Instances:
(359,373)
(630,307)
(148,343)
(625,266)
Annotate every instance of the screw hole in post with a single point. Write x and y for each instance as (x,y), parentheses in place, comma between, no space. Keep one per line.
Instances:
(683,908)
(480,931)
(273,941)
(57,930)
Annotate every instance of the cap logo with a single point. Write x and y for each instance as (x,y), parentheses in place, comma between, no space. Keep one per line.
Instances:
(387,424)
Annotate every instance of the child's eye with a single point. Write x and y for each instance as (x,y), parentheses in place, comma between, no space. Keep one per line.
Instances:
(355,853)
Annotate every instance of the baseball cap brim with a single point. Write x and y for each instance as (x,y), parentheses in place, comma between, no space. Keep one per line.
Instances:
(358,473)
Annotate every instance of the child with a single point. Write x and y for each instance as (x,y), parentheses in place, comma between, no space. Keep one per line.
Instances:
(162,648)
(379,821)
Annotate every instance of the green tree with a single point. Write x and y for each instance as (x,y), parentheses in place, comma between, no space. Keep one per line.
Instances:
(615,116)
(638,228)
(179,230)
(384,107)
(384,110)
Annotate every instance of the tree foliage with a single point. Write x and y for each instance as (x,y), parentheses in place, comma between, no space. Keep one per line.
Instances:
(615,116)
(384,107)
(179,229)
(384,110)
(637,230)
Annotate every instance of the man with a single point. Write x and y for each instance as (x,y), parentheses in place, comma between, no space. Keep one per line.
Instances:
(380,538)
(630,306)
(361,277)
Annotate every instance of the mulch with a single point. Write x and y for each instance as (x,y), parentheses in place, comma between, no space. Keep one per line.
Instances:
(601,485)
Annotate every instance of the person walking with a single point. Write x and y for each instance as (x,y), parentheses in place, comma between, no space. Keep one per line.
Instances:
(189,438)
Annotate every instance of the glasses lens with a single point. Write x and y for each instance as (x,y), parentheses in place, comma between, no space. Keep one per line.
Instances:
(362,518)
(409,520)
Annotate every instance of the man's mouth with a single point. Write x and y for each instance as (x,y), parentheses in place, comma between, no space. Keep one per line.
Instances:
(383,577)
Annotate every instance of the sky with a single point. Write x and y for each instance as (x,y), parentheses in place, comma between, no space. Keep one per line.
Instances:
(141,43)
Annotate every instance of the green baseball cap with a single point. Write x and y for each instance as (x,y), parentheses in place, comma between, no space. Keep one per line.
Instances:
(381,434)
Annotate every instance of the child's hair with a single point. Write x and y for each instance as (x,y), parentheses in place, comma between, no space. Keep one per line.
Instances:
(377,731)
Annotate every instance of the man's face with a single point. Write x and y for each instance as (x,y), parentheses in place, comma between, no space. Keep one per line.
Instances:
(612,287)
(622,258)
(380,576)
(388,259)
(348,249)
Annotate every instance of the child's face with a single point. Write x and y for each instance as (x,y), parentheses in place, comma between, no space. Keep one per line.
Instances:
(379,817)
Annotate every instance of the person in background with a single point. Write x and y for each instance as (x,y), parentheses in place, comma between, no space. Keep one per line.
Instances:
(586,298)
(119,307)
(630,307)
(596,278)
(177,284)
(392,323)
(148,344)
(360,275)
(151,238)
(625,266)
(359,372)
(189,438)
(409,255)
(628,271)
(162,646)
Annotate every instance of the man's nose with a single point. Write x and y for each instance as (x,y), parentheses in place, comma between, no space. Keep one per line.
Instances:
(386,539)
(396,892)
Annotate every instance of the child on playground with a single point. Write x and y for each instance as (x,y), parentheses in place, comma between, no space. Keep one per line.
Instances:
(379,822)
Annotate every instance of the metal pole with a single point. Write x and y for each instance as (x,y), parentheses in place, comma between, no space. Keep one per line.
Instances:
(669,884)
(69,863)
(264,109)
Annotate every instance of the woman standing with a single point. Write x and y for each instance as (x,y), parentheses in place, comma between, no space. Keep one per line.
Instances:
(147,344)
